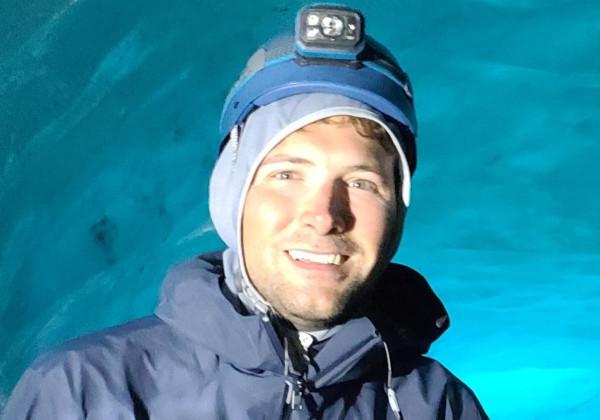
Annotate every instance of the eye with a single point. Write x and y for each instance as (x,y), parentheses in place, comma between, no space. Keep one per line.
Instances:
(363,184)
(284,175)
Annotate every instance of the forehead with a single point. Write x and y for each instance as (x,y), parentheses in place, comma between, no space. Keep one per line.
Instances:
(335,137)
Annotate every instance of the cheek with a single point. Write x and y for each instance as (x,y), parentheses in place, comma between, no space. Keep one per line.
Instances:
(265,212)
(373,222)
(265,215)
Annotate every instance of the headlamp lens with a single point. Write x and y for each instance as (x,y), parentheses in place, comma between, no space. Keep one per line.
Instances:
(332,26)
(312,33)
(312,19)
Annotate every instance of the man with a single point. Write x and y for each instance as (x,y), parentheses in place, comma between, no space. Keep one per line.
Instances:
(302,316)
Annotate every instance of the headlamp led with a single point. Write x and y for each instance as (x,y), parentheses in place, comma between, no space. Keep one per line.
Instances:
(330,32)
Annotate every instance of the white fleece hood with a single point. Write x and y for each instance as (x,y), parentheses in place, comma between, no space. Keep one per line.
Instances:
(249,144)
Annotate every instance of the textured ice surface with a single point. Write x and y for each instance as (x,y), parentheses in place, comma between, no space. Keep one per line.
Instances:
(108,127)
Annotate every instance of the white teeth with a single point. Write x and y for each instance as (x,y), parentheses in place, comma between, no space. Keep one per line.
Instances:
(334,259)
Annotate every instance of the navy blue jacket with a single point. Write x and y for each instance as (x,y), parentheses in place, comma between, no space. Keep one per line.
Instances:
(202,356)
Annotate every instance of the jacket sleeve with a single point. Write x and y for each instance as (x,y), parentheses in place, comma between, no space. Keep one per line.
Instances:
(43,393)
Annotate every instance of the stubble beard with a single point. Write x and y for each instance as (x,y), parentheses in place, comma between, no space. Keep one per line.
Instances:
(306,315)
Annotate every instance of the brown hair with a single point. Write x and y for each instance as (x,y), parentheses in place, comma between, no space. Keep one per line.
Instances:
(366,128)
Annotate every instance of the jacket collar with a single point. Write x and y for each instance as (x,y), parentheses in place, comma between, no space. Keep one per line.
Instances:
(407,315)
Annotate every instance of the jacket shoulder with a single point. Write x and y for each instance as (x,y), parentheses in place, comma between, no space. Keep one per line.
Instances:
(55,384)
(432,388)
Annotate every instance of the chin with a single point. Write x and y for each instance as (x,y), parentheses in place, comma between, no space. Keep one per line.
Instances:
(316,315)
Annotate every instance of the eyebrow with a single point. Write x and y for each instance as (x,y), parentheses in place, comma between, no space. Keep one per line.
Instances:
(282,158)
(287,159)
(365,167)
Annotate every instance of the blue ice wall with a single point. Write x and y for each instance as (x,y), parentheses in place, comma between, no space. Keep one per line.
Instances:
(108,128)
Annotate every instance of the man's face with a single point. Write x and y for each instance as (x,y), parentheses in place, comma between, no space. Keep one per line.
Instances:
(318,222)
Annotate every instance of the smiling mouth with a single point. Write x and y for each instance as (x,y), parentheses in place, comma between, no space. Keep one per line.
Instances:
(316,258)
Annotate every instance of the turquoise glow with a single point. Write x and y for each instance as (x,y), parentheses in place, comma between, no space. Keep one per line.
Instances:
(109,117)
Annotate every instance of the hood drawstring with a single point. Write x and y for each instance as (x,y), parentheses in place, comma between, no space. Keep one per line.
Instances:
(294,381)
(391,394)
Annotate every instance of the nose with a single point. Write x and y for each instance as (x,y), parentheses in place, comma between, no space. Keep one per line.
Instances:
(326,209)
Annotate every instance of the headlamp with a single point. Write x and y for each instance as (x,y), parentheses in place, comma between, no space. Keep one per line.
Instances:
(328,53)
(329,32)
